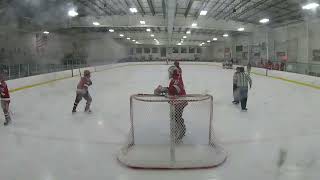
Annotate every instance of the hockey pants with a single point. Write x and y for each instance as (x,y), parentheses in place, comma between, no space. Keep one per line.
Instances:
(235,93)
(243,97)
(177,126)
(79,97)
(5,108)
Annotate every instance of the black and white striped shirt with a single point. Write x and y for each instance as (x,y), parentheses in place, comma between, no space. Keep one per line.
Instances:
(243,79)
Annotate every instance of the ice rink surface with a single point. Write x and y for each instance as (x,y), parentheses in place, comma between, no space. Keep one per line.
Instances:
(47,142)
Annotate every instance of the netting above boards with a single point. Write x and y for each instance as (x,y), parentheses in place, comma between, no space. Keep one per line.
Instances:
(171,132)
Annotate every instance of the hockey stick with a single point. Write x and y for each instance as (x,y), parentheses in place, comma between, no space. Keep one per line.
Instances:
(80,72)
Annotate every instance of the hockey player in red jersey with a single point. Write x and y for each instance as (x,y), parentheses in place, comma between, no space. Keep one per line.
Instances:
(176,89)
(176,86)
(83,92)
(5,99)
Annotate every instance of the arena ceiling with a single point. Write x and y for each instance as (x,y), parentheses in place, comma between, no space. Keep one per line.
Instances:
(169,20)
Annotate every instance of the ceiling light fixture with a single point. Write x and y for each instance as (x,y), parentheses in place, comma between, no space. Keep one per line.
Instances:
(241,29)
(215,39)
(264,20)
(194,24)
(225,35)
(133,40)
(184,37)
(310,6)
(111,30)
(142,22)
(188,32)
(73,13)
(121,35)
(152,35)
(96,23)
(133,10)
(209,41)
(128,38)
(203,13)
(46,32)
(148,30)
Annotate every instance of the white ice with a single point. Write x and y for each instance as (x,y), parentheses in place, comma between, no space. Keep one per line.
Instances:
(47,142)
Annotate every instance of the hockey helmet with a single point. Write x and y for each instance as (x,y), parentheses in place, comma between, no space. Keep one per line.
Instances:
(176,73)
(86,73)
(170,71)
(176,63)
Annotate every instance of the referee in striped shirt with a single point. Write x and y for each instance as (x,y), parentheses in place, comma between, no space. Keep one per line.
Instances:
(243,80)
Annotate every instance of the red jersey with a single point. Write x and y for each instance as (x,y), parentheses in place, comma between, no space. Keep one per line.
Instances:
(84,83)
(5,96)
(176,87)
(180,71)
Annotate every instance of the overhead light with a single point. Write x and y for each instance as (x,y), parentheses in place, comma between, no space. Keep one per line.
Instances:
(310,6)
(96,23)
(133,10)
(142,22)
(225,35)
(184,37)
(152,35)
(241,29)
(200,44)
(209,41)
(148,30)
(188,32)
(215,39)
(46,32)
(179,44)
(194,24)
(128,38)
(72,13)
(264,20)
(111,30)
(203,13)
(133,40)
(121,35)
(156,41)
(137,42)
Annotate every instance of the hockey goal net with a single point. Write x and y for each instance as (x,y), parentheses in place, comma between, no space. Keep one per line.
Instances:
(171,133)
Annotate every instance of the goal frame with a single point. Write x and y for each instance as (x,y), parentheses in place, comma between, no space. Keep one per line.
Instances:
(190,98)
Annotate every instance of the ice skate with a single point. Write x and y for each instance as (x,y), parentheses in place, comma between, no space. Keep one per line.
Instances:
(88,111)
(7,122)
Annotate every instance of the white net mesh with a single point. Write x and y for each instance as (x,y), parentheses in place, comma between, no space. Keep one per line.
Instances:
(171,132)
